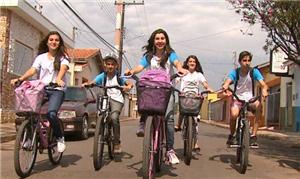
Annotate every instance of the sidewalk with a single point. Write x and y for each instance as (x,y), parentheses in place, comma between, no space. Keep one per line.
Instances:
(293,137)
(8,131)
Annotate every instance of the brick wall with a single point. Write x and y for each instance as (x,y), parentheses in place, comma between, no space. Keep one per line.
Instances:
(13,28)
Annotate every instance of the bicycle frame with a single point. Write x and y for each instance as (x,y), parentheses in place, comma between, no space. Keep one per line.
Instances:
(104,127)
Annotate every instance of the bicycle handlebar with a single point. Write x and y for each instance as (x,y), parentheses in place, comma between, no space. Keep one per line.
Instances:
(51,86)
(252,100)
(104,87)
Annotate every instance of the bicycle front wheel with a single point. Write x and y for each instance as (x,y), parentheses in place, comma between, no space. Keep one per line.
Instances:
(53,154)
(188,139)
(110,141)
(98,143)
(244,148)
(148,150)
(25,149)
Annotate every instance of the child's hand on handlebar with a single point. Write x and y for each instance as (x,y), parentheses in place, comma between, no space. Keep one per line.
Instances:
(60,83)
(128,72)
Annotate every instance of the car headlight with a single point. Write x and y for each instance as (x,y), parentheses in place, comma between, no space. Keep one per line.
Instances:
(67,114)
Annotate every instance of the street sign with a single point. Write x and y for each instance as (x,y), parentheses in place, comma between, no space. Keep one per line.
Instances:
(278,58)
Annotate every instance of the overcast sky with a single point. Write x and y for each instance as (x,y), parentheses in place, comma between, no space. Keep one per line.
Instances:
(211,30)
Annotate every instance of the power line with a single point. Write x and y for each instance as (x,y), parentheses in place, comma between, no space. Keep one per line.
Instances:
(110,46)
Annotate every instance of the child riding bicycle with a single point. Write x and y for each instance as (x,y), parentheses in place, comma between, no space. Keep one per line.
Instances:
(243,79)
(110,78)
(191,83)
(52,65)
(160,55)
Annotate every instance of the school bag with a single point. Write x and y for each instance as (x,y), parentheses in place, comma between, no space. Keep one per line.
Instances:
(153,92)
(29,96)
(252,79)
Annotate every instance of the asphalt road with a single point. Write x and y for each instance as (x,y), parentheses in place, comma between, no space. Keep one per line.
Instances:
(274,159)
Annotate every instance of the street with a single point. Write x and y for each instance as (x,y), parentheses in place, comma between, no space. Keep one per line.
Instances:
(274,159)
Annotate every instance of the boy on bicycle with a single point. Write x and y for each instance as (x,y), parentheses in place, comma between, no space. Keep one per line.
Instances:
(243,79)
(111,78)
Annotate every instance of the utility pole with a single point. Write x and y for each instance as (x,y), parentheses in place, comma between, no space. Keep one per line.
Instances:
(119,33)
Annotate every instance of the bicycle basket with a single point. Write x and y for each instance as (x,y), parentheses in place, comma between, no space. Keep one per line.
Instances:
(153,97)
(190,104)
(29,96)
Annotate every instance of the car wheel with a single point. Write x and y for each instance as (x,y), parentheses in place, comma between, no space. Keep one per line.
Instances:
(85,128)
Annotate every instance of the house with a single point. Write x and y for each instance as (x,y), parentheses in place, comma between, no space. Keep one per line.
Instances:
(21,29)
(290,99)
(85,65)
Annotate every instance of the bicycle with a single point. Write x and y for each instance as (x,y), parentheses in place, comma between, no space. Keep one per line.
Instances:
(33,134)
(104,127)
(189,107)
(243,133)
(154,145)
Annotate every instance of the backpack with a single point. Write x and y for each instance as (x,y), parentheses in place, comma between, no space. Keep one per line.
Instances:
(118,79)
(251,76)
(29,96)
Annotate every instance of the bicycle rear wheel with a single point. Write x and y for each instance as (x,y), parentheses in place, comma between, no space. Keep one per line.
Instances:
(188,139)
(53,154)
(98,143)
(148,150)
(25,149)
(244,148)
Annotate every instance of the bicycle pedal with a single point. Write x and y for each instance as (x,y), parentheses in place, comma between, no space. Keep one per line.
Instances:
(254,147)
(233,146)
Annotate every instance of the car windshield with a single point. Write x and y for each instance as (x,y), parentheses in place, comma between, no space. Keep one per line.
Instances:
(75,94)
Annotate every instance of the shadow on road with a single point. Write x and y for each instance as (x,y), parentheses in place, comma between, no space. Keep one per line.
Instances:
(45,165)
(286,152)
(228,159)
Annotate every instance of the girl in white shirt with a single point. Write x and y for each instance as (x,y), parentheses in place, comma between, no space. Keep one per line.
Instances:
(192,82)
(51,64)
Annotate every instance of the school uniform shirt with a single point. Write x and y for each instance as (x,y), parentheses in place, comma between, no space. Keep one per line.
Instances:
(244,86)
(154,63)
(45,66)
(114,93)
(192,82)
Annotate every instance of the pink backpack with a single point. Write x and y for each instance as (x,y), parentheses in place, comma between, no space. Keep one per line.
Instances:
(153,91)
(29,96)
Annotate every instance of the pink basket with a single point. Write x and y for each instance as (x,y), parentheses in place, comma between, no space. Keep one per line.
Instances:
(29,96)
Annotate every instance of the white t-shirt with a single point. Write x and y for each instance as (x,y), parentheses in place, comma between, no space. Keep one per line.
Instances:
(115,94)
(192,82)
(45,67)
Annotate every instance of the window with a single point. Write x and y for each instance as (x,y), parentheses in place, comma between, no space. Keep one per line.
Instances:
(21,58)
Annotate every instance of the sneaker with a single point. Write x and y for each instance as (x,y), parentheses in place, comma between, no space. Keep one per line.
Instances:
(140,132)
(231,141)
(177,128)
(26,144)
(61,146)
(117,148)
(172,157)
(196,148)
(253,142)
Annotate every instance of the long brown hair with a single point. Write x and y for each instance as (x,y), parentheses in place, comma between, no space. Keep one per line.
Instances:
(151,50)
(198,65)
(61,51)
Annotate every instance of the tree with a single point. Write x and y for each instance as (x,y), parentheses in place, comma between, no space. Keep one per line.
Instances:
(281,20)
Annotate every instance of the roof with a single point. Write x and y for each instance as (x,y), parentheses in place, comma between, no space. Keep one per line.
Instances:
(83,53)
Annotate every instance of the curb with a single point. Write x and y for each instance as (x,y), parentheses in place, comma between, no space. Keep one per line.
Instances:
(261,133)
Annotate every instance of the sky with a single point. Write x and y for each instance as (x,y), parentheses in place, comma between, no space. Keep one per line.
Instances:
(211,30)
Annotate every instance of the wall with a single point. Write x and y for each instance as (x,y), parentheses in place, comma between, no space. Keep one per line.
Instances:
(21,31)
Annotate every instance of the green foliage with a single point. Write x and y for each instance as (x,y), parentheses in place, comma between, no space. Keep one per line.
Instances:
(281,19)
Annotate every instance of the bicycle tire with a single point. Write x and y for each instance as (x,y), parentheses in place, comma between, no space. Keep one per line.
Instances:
(148,154)
(98,144)
(244,152)
(25,135)
(110,141)
(188,140)
(158,157)
(53,154)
